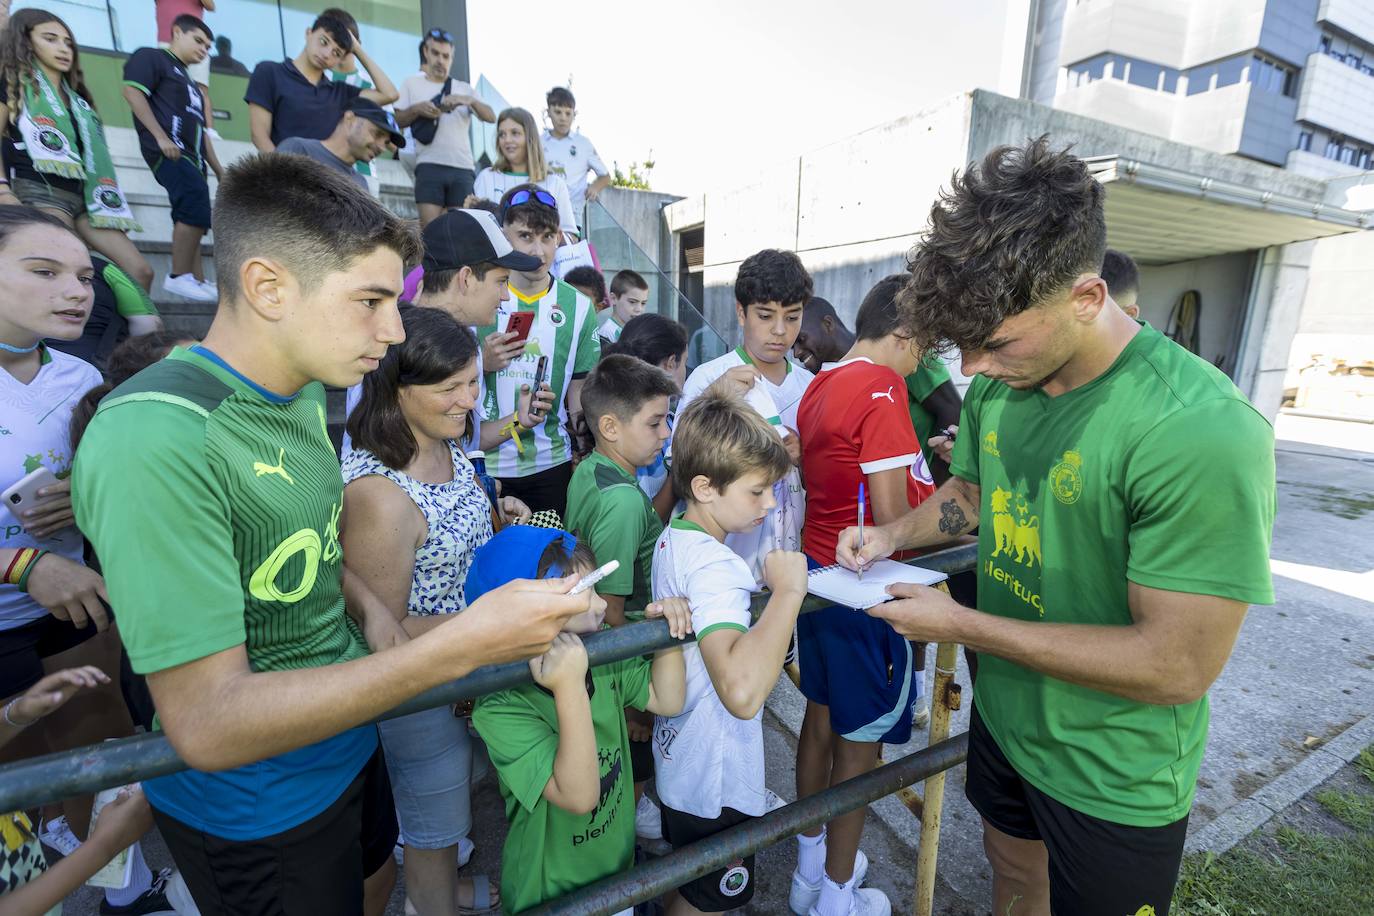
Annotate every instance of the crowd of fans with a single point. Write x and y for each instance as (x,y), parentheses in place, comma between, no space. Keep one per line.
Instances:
(527,460)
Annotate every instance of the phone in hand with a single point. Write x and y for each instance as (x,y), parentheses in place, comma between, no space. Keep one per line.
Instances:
(520,324)
(23,495)
(540,371)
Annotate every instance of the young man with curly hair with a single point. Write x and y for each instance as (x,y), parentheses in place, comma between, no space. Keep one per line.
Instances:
(1124,494)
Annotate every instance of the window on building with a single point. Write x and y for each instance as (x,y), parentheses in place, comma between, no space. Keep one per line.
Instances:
(1325,44)
(1333,148)
(1230,72)
(1170,81)
(1144,74)
(1363,160)
(1305,141)
(1200,79)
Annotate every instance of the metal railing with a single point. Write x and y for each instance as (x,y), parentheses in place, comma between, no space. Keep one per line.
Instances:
(53,777)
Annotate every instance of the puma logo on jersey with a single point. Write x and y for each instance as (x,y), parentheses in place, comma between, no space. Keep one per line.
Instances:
(262,469)
(882,394)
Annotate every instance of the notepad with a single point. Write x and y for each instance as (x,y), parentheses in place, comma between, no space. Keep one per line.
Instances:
(843,586)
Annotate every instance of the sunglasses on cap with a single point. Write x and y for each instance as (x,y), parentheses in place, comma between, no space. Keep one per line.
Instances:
(441,35)
(523,197)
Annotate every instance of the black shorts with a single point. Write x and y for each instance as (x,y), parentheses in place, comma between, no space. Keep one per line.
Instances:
(1095,866)
(23,648)
(315,867)
(642,760)
(187,190)
(725,888)
(443,185)
(544,490)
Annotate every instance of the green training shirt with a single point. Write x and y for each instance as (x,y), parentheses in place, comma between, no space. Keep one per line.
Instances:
(607,508)
(548,851)
(1157,472)
(931,372)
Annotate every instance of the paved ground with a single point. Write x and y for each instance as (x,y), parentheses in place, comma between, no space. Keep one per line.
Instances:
(1302,668)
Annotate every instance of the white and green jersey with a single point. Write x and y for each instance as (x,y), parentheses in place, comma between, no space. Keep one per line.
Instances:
(564,330)
(705,759)
(610,328)
(781,530)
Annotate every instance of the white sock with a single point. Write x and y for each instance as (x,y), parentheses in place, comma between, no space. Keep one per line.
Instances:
(811,857)
(141,878)
(836,899)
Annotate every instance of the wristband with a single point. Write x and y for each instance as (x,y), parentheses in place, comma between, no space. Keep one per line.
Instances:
(17,573)
(514,427)
(9,721)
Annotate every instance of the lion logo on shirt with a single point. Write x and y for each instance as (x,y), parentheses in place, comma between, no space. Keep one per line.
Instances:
(1003,525)
(1026,538)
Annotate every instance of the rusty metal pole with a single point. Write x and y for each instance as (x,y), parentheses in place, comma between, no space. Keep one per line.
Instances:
(944,699)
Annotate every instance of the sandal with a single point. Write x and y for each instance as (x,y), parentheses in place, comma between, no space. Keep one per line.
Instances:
(482,901)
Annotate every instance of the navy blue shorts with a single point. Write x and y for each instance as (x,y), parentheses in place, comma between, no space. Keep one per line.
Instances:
(442,185)
(861,669)
(187,189)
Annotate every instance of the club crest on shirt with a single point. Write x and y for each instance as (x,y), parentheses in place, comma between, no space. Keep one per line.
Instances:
(1066,482)
(557,317)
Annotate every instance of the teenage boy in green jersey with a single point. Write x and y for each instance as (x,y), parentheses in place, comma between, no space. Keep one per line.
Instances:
(1124,494)
(535,465)
(219,540)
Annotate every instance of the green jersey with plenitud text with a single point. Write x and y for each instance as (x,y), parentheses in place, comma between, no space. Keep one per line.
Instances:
(1157,472)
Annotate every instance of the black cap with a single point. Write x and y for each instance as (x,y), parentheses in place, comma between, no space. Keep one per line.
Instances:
(369,110)
(461,238)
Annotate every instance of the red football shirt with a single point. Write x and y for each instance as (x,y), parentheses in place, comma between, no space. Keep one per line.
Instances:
(853,421)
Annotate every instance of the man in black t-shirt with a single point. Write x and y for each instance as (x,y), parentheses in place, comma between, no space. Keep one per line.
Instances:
(169,114)
(296,98)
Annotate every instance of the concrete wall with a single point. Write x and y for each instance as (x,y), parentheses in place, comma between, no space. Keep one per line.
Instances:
(1353,16)
(1223,284)
(1042,80)
(1152,30)
(1221,28)
(1290,29)
(1268,131)
(1337,317)
(1337,96)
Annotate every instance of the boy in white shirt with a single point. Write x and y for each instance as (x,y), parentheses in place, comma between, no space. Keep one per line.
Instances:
(771,290)
(570,154)
(709,758)
(629,299)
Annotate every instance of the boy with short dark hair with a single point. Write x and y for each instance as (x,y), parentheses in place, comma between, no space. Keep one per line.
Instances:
(570,154)
(169,114)
(771,290)
(559,745)
(535,466)
(861,680)
(629,298)
(1123,280)
(589,282)
(264,683)
(296,98)
(709,759)
(626,403)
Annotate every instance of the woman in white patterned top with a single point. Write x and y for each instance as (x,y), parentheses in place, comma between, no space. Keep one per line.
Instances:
(414,512)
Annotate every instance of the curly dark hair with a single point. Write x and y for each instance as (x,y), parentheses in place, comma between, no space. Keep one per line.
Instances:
(1010,233)
(772,275)
(18,60)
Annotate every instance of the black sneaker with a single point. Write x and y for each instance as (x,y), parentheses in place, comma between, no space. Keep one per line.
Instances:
(149,903)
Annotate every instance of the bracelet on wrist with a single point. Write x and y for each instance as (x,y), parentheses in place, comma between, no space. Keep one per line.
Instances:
(17,572)
(9,720)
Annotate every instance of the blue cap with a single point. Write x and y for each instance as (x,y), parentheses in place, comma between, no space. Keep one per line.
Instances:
(512,554)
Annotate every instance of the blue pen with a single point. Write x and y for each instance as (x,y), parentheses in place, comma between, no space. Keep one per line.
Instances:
(861,529)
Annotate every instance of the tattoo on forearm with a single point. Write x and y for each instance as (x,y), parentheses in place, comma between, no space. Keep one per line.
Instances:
(952,519)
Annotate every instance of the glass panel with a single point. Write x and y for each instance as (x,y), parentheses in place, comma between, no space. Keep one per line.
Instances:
(617,251)
(135,26)
(1171,81)
(1229,72)
(482,135)
(1145,74)
(1200,79)
(253,31)
(89,20)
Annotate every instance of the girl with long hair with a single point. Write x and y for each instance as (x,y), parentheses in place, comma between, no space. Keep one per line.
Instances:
(53,154)
(520,160)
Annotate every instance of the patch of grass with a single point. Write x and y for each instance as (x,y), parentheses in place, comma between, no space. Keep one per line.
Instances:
(1354,808)
(1298,874)
(1365,763)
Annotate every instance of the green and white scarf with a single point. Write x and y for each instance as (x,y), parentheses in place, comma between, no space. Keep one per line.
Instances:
(49,127)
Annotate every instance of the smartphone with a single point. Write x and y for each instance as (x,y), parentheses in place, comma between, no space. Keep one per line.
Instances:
(540,369)
(520,324)
(24,494)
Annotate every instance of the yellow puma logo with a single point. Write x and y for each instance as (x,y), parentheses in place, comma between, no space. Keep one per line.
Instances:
(1145,910)
(1003,525)
(261,469)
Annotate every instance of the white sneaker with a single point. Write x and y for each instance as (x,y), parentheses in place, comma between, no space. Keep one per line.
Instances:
(179,895)
(867,901)
(187,287)
(57,834)
(648,819)
(210,288)
(804,894)
(922,717)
